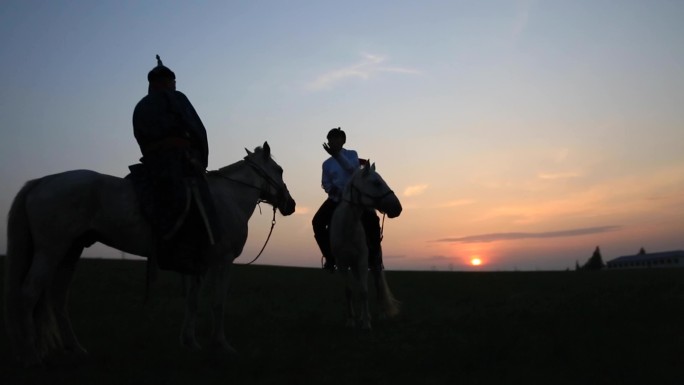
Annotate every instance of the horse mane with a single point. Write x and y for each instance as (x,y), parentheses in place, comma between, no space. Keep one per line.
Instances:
(232,167)
(226,169)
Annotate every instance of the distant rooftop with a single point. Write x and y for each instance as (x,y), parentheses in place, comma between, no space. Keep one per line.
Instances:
(648,256)
(673,258)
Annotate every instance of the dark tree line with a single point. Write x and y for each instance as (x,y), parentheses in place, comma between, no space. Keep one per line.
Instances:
(595,262)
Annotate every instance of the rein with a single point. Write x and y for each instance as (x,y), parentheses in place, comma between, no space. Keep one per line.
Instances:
(273,222)
(378,198)
(270,180)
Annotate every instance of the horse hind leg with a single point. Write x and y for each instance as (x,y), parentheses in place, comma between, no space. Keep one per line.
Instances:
(60,291)
(40,331)
(351,316)
(188,338)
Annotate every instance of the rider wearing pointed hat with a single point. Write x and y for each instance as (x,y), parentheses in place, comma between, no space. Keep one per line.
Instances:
(165,119)
(175,150)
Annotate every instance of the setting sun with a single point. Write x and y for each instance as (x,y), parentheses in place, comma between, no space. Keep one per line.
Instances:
(476,261)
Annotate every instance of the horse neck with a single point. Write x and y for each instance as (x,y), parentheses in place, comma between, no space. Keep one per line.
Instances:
(352,209)
(240,183)
(350,213)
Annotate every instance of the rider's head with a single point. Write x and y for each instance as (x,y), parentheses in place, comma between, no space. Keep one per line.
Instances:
(337,133)
(161,77)
(336,138)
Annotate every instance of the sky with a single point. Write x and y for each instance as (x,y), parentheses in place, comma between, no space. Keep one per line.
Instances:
(520,133)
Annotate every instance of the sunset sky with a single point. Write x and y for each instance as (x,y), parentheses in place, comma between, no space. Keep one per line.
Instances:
(520,133)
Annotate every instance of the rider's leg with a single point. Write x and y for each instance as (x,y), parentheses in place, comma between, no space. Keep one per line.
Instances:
(320,223)
(371,224)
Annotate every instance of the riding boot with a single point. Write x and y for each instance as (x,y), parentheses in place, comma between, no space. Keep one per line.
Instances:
(185,251)
(375,256)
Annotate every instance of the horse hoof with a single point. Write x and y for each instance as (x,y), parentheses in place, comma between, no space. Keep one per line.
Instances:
(32,362)
(191,345)
(77,350)
(225,348)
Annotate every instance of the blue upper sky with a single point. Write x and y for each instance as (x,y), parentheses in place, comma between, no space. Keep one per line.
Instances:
(558,121)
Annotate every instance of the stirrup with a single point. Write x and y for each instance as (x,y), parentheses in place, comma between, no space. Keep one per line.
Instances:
(327,265)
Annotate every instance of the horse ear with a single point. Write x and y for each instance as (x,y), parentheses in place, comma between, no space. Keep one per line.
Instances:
(248,152)
(267,150)
(373,166)
(366,171)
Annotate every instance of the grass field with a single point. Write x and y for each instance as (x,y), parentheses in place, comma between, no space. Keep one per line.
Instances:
(609,327)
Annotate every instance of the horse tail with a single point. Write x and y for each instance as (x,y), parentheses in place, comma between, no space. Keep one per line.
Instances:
(17,263)
(389,305)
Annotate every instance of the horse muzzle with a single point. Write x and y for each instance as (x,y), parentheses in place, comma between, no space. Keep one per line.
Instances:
(287,206)
(391,206)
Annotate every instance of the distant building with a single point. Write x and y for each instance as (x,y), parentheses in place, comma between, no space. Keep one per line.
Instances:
(648,260)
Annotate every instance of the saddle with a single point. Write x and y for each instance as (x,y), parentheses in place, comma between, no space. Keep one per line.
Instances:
(183,220)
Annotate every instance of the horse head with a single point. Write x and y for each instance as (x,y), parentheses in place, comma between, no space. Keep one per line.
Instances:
(367,188)
(274,190)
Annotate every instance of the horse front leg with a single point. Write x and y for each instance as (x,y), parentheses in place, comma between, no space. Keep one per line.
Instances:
(365,308)
(349,298)
(218,338)
(187,337)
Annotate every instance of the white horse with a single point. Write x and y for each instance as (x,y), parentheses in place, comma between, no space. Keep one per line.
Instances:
(53,218)
(365,191)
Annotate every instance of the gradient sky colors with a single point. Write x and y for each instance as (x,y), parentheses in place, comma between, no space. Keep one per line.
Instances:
(521,133)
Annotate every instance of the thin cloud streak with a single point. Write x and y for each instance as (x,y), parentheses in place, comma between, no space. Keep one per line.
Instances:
(412,191)
(302,210)
(485,238)
(367,68)
(556,176)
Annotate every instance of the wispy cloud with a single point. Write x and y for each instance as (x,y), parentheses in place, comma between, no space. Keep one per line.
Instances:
(415,190)
(439,205)
(558,175)
(515,236)
(369,66)
(522,17)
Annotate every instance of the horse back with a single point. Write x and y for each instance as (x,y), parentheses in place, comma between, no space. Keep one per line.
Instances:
(69,205)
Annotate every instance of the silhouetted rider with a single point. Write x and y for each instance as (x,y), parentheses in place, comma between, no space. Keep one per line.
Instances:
(337,171)
(173,142)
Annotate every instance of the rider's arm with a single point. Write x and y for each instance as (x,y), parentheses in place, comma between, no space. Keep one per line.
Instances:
(327,181)
(349,161)
(193,125)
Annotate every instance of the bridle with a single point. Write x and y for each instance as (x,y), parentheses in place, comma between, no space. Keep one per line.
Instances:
(280,197)
(272,182)
(360,194)
(374,198)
